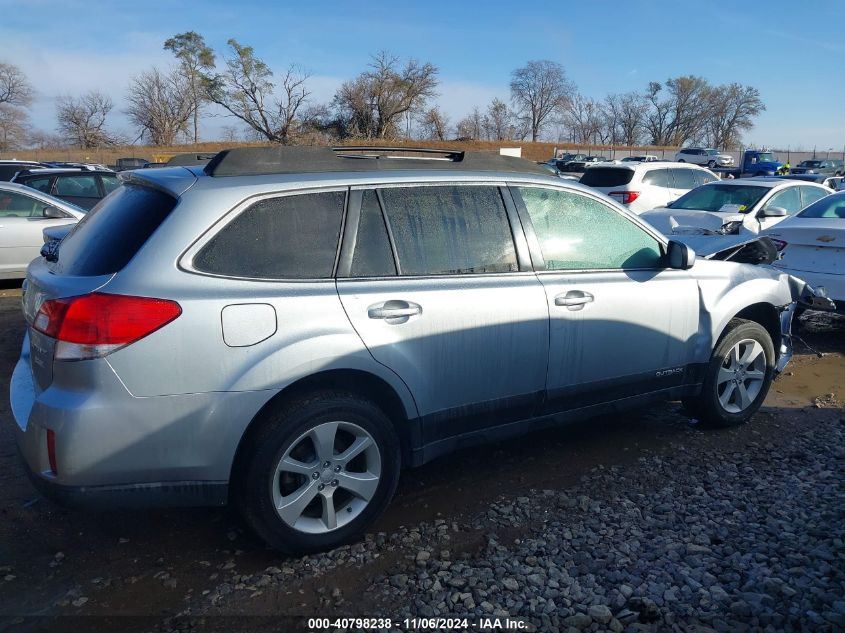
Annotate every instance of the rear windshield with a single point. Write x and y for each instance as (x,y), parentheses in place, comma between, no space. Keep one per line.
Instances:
(111,233)
(607,177)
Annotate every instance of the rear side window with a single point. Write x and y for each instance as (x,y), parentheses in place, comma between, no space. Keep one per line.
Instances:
(683,178)
(657,178)
(42,184)
(81,186)
(702,177)
(810,194)
(106,239)
(448,230)
(607,177)
(289,237)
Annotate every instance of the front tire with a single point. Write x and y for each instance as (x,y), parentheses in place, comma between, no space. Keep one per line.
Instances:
(319,470)
(738,376)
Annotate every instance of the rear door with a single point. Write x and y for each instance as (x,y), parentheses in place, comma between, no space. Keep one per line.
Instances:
(622,324)
(436,281)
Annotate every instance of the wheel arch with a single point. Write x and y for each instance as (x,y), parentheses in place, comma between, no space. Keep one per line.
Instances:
(763,313)
(355,381)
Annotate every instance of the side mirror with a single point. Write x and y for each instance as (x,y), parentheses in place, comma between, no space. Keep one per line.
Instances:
(679,255)
(53,213)
(773,212)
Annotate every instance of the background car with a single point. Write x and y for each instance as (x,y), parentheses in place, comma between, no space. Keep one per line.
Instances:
(641,186)
(84,188)
(828,167)
(812,245)
(734,206)
(24,214)
(704,156)
(8,168)
(643,158)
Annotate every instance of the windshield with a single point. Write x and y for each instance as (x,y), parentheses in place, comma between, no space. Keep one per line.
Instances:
(829,207)
(715,197)
(765,157)
(811,163)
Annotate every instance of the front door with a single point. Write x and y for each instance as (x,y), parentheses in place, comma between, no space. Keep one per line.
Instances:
(621,324)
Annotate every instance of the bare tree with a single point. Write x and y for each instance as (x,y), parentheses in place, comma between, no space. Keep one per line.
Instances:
(247,93)
(15,89)
(471,126)
(539,90)
(435,124)
(160,105)
(733,109)
(195,57)
(583,118)
(14,127)
(373,104)
(44,140)
(82,120)
(679,113)
(499,121)
(627,112)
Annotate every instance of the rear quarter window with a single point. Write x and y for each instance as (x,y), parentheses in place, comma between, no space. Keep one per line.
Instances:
(286,237)
(106,239)
(607,177)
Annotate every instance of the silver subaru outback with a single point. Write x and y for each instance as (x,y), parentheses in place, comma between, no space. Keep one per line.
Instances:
(286,328)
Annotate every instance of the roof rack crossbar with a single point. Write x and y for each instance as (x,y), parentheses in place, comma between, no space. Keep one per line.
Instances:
(455,155)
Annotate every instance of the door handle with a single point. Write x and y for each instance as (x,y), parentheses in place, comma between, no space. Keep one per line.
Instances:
(394,311)
(574,299)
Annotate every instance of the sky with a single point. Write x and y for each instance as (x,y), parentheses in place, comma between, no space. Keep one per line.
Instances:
(792,52)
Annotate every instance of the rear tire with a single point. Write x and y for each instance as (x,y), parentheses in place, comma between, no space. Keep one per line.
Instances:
(318,471)
(738,376)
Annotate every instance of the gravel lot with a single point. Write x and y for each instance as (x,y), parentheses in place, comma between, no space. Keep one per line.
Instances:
(642,523)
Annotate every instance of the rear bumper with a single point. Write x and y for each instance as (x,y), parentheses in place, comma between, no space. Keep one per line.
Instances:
(116,450)
(834,285)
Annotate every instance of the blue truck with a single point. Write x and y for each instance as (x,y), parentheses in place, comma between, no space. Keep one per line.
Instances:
(754,162)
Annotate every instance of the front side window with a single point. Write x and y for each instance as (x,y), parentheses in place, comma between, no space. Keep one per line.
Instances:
(450,229)
(789,199)
(110,183)
(42,184)
(289,237)
(579,233)
(701,177)
(15,205)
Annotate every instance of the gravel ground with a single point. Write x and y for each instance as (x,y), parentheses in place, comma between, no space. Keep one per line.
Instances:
(636,523)
(698,539)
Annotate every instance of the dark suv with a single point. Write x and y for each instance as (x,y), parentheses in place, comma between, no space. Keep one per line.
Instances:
(84,188)
(827,167)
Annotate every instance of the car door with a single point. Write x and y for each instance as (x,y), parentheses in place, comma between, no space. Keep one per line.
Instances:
(21,224)
(657,189)
(439,288)
(621,323)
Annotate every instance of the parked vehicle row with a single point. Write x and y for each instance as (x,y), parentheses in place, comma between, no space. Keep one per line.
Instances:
(286,328)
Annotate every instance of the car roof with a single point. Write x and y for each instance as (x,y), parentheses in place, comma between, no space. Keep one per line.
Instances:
(769,182)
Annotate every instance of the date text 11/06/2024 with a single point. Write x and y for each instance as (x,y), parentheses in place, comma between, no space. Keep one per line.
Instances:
(432,624)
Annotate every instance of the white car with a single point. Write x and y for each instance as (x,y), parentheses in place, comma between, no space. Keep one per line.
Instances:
(812,246)
(735,206)
(24,214)
(704,156)
(641,186)
(642,158)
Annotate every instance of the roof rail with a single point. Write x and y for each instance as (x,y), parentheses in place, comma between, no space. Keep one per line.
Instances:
(254,161)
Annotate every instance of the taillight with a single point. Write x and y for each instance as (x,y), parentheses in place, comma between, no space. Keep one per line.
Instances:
(51,451)
(779,244)
(93,325)
(625,197)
